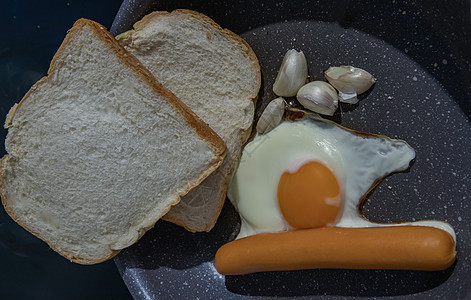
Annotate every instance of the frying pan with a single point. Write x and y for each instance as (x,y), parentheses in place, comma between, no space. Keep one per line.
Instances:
(419,53)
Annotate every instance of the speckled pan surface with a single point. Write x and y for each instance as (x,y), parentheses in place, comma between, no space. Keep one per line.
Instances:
(419,53)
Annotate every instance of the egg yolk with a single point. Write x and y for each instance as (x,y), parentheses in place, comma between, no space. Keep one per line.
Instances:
(310,197)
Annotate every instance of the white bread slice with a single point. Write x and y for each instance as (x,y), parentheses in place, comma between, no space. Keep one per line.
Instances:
(99,150)
(216,73)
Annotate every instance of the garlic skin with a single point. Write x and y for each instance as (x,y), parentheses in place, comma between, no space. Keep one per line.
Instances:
(271,116)
(292,74)
(349,81)
(318,96)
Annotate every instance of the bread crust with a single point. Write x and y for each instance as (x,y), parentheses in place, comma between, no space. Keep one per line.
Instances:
(244,133)
(200,127)
(244,46)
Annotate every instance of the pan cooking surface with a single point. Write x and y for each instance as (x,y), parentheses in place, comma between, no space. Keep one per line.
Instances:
(407,102)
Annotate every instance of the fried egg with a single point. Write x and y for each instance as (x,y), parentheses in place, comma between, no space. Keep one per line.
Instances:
(313,173)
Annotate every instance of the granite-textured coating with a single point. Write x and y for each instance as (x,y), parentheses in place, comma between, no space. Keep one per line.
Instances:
(420,57)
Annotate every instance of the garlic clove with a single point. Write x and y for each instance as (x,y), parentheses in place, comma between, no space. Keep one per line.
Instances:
(349,81)
(292,74)
(350,98)
(318,96)
(271,116)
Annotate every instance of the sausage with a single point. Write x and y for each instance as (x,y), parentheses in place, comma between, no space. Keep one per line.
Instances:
(389,247)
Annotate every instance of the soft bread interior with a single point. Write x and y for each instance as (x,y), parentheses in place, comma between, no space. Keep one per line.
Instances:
(217,75)
(99,151)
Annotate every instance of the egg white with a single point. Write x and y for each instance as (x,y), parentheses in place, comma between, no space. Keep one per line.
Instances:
(357,160)
(253,187)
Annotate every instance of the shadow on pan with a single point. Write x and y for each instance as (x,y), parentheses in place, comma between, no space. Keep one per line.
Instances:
(170,246)
(359,283)
(419,29)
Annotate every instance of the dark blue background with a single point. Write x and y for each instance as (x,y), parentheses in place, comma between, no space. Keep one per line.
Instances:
(31,32)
